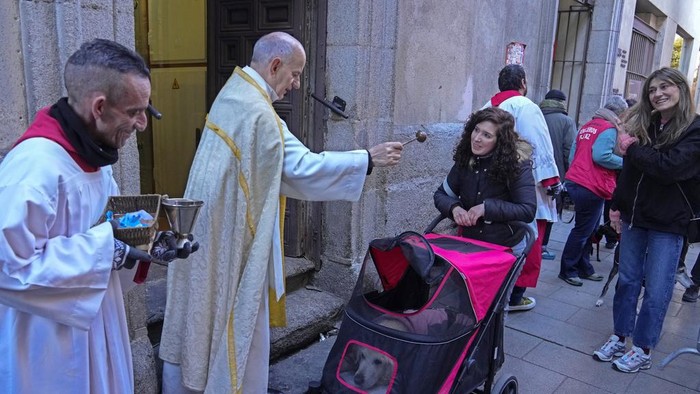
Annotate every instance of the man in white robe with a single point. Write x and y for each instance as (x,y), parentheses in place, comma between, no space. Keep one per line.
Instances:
(532,127)
(216,334)
(62,320)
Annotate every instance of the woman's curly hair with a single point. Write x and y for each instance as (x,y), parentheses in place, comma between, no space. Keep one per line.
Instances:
(508,151)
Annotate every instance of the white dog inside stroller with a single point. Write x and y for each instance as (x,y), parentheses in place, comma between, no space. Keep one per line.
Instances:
(366,368)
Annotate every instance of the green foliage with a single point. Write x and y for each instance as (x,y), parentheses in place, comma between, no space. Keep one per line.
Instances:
(676,55)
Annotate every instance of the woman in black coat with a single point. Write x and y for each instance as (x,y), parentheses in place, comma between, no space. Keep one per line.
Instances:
(656,196)
(491,181)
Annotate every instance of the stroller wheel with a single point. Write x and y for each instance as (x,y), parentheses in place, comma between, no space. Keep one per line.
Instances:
(506,384)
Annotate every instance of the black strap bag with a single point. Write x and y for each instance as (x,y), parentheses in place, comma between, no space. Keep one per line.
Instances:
(694,226)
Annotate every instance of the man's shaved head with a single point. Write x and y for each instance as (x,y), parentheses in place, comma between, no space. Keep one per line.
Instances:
(99,66)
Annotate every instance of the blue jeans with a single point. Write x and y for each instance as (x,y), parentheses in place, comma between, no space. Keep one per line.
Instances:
(649,256)
(576,256)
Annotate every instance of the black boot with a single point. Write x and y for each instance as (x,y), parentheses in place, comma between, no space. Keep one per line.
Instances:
(691,293)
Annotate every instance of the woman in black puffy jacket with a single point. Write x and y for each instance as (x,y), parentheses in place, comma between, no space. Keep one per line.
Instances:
(490,184)
(491,181)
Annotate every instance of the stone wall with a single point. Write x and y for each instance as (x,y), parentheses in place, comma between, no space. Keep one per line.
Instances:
(404,66)
(38,37)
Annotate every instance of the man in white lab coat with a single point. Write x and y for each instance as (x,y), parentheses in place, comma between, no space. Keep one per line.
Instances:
(222,301)
(62,320)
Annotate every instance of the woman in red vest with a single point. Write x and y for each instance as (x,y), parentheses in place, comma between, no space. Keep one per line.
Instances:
(590,181)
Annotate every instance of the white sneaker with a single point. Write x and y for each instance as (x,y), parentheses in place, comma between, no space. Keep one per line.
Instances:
(525,304)
(632,361)
(612,348)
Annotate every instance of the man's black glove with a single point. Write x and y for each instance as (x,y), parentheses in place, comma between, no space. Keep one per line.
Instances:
(554,190)
(165,247)
(126,256)
(164,250)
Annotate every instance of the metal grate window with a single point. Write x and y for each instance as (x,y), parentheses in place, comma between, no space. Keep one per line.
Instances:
(569,65)
(641,58)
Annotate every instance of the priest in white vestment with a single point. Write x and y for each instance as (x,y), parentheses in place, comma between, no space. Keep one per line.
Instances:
(222,300)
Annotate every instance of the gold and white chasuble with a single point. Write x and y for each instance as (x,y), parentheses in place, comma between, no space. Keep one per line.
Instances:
(247,159)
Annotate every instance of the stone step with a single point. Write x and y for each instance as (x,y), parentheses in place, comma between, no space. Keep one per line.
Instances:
(309,313)
(293,374)
(298,272)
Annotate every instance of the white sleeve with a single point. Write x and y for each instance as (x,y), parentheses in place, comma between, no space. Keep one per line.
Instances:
(62,278)
(532,127)
(321,176)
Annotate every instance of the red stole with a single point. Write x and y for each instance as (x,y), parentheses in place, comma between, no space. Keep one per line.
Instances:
(500,97)
(45,126)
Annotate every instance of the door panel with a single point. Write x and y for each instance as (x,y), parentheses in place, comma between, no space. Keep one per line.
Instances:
(177,58)
(276,15)
(170,43)
(180,97)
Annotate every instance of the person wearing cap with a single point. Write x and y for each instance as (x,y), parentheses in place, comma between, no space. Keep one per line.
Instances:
(562,130)
(590,180)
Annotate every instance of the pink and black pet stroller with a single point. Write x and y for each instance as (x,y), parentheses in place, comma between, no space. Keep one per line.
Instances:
(426,316)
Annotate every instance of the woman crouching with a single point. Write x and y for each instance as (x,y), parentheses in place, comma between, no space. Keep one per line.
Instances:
(491,184)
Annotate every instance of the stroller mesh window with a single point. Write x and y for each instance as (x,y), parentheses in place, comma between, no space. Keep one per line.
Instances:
(368,369)
(435,309)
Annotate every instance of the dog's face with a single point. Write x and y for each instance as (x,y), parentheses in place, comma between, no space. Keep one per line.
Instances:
(373,368)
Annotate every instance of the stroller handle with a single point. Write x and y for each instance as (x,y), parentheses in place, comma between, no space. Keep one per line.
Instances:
(518,225)
(439,218)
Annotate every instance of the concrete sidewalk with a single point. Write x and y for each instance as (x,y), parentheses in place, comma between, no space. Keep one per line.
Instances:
(549,348)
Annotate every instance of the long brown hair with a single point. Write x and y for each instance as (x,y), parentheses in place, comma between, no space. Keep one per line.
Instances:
(642,115)
(509,150)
